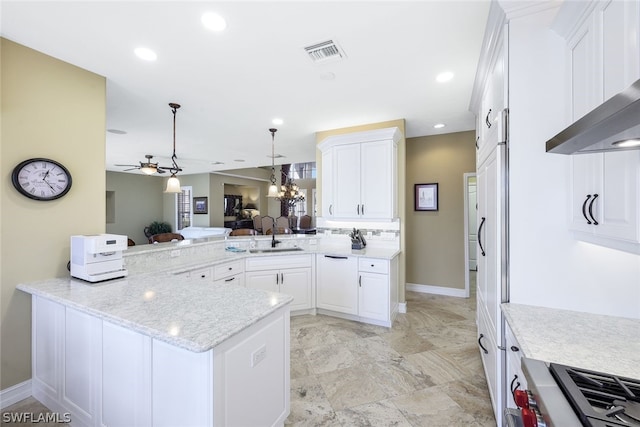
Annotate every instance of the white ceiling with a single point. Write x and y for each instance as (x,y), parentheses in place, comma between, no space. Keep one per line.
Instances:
(232,84)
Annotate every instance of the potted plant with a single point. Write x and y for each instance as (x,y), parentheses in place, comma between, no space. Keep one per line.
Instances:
(157,227)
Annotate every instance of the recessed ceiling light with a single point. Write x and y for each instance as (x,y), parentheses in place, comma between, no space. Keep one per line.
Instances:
(213,21)
(444,77)
(277,121)
(217,163)
(145,53)
(327,75)
(439,126)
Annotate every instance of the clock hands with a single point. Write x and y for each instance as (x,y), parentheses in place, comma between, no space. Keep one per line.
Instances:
(47,182)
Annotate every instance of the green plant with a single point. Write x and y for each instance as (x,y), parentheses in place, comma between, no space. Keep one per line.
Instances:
(157,227)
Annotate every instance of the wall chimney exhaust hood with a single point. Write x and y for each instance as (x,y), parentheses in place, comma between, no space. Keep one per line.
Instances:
(613,126)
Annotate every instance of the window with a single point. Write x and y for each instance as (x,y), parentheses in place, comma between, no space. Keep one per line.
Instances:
(302,170)
(184,213)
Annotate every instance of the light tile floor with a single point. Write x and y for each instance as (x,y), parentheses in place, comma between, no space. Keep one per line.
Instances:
(425,371)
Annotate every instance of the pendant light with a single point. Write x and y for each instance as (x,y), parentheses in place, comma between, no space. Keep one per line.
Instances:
(273,188)
(173,183)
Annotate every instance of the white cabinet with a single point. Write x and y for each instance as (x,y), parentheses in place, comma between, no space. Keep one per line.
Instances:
(364,289)
(359,175)
(377,289)
(290,274)
(107,375)
(337,283)
(514,377)
(604,59)
(229,273)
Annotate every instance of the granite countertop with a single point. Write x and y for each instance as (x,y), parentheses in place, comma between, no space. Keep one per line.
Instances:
(600,343)
(186,313)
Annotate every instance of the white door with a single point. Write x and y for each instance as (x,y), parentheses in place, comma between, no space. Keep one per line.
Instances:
(373,296)
(297,283)
(377,180)
(472,223)
(337,283)
(346,185)
(265,280)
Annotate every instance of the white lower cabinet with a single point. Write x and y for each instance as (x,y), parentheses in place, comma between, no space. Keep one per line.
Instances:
(514,378)
(337,283)
(291,275)
(103,374)
(363,287)
(230,273)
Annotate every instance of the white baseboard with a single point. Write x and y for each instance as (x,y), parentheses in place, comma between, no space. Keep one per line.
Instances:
(15,394)
(402,307)
(437,290)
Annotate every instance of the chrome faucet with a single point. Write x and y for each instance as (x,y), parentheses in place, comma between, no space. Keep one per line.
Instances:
(274,242)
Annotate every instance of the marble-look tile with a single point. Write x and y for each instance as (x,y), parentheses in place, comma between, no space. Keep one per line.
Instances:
(309,404)
(452,335)
(398,376)
(407,342)
(350,387)
(437,367)
(314,335)
(299,364)
(430,407)
(376,414)
(327,358)
(371,349)
(474,400)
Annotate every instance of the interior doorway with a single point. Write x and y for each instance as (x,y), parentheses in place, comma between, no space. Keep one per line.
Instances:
(470,228)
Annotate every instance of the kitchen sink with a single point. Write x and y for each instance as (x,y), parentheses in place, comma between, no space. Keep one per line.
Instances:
(271,250)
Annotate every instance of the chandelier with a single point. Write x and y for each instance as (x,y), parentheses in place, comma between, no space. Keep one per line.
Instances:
(289,193)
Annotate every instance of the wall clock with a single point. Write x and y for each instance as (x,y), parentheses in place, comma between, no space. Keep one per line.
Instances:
(41,179)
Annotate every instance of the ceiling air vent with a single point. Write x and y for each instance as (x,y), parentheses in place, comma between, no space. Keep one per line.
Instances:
(328,51)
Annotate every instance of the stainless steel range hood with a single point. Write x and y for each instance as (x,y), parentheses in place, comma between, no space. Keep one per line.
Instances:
(606,128)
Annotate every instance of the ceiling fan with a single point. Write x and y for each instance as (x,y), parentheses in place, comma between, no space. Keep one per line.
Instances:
(147,167)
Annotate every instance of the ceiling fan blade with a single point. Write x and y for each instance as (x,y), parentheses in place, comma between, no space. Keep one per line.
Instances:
(130,169)
(133,166)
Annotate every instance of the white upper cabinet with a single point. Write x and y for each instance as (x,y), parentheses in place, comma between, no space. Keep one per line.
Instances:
(603,59)
(359,175)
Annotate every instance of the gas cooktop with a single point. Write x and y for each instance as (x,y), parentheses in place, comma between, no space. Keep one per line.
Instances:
(599,400)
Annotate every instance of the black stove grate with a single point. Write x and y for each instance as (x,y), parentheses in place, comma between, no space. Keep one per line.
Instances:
(599,399)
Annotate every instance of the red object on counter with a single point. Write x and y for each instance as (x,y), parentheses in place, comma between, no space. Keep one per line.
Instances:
(529,418)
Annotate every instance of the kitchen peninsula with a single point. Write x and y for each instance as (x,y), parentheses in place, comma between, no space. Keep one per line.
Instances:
(181,340)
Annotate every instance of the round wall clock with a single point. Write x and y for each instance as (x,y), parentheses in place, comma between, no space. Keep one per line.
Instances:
(41,179)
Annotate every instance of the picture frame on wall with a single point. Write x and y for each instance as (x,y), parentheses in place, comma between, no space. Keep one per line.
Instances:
(426,197)
(200,205)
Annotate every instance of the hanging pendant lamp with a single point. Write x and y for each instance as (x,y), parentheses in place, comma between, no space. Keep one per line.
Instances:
(273,188)
(173,183)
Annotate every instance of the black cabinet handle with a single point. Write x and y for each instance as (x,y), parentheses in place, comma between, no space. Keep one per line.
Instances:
(593,199)
(336,257)
(277,279)
(486,119)
(230,280)
(362,209)
(584,208)
(330,209)
(358,209)
(477,139)
(514,348)
(282,278)
(513,387)
(360,281)
(481,346)
(480,236)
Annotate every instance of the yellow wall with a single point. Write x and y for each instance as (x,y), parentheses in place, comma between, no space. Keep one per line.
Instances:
(56,110)
(435,245)
(321,136)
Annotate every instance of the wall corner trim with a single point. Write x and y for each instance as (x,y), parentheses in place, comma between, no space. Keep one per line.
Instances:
(436,290)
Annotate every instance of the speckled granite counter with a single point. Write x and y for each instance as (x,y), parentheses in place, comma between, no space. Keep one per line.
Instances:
(590,341)
(186,313)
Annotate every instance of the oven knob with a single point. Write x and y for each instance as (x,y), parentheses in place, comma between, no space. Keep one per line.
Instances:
(524,399)
(529,418)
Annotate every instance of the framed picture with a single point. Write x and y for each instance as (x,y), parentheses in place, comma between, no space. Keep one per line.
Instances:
(200,205)
(426,197)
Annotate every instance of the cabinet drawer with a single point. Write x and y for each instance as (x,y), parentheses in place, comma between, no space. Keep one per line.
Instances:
(227,269)
(373,265)
(277,262)
(237,280)
(203,273)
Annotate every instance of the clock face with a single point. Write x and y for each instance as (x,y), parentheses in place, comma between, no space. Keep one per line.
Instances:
(41,179)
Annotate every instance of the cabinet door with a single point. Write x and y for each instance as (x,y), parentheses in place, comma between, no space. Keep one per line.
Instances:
(327,183)
(373,296)
(492,359)
(346,185)
(237,280)
(586,176)
(265,280)
(621,45)
(377,180)
(514,378)
(297,283)
(337,283)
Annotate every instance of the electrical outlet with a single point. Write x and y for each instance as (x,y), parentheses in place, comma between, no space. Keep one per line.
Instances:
(175,253)
(258,356)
